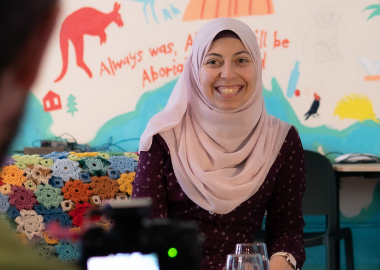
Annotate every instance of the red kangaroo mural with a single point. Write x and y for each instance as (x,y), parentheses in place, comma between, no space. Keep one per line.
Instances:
(84,21)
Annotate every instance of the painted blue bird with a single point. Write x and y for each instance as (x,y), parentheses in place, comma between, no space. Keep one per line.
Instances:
(167,15)
(175,10)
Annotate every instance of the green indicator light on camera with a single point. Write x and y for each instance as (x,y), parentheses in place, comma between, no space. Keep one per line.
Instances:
(172,252)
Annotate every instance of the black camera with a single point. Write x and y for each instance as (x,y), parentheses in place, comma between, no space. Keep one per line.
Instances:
(172,244)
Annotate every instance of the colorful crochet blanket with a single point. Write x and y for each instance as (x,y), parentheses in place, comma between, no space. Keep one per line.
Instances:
(61,187)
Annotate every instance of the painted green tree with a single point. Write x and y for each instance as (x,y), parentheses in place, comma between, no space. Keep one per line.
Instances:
(376,10)
(71,105)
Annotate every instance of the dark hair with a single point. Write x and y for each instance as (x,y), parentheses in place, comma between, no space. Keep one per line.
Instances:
(226,33)
(18,19)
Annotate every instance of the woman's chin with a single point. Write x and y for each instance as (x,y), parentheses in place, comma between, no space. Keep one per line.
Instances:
(228,105)
(229,102)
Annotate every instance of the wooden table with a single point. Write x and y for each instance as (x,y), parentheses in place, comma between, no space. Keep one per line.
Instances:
(368,170)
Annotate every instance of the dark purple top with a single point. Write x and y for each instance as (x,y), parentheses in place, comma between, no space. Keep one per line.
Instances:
(280,195)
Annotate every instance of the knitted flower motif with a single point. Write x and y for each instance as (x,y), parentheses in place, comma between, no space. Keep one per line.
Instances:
(87,154)
(132,155)
(30,223)
(96,201)
(66,169)
(22,198)
(6,189)
(115,154)
(123,164)
(4,203)
(28,173)
(54,214)
(104,155)
(41,174)
(73,157)
(12,175)
(78,213)
(113,174)
(95,165)
(76,191)
(125,182)
(45,251)
(47,162)
(7,161)
(48,196)
(20,165)
(30,185)
(121,197)
(17,157)
(68,252)
(105,187)
(13,212)
(67,205)
(56,182)
(85,177)
(25,160)
(57,155)
(50,239)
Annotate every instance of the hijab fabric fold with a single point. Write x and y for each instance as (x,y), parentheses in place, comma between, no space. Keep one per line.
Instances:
(220,157)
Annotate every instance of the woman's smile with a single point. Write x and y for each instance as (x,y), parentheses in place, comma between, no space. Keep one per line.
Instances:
(229,91)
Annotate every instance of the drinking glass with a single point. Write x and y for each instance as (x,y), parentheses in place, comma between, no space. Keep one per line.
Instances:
(254,248)
(244,262)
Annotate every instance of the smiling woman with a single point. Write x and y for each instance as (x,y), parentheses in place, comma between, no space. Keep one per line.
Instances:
(215,156)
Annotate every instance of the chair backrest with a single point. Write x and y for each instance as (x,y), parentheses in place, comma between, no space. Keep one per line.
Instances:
(321,195)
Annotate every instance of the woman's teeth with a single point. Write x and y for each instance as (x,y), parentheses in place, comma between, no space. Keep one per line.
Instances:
(228,90)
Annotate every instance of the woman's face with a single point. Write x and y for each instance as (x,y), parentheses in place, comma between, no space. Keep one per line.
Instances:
(228,74)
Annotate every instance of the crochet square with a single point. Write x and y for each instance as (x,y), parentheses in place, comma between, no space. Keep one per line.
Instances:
(67,205)
(96,201)
(6,189)
(121,197)
(30,185)
(51,240)
(30,223)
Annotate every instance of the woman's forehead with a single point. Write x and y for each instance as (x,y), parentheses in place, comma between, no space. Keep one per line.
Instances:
(227,45)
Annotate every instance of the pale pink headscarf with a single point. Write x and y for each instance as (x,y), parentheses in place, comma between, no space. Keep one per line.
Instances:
(220,157)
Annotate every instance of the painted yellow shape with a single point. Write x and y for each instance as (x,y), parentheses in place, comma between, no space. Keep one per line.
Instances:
(86,154)
(356,106)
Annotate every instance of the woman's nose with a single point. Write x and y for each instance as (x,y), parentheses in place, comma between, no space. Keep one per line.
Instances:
(227,72)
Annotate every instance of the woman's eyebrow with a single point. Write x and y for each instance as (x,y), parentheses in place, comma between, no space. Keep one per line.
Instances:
(214,54)
(218,55)
(241,53)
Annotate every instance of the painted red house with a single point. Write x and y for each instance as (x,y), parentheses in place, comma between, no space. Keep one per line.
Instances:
(52,101)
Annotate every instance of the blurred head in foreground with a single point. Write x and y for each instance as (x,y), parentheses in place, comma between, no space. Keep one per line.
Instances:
(25,26)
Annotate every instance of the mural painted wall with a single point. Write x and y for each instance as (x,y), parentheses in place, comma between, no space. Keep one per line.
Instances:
(111,65)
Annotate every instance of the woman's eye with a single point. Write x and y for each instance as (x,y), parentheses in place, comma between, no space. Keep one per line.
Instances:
(242,60)
(212,62)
